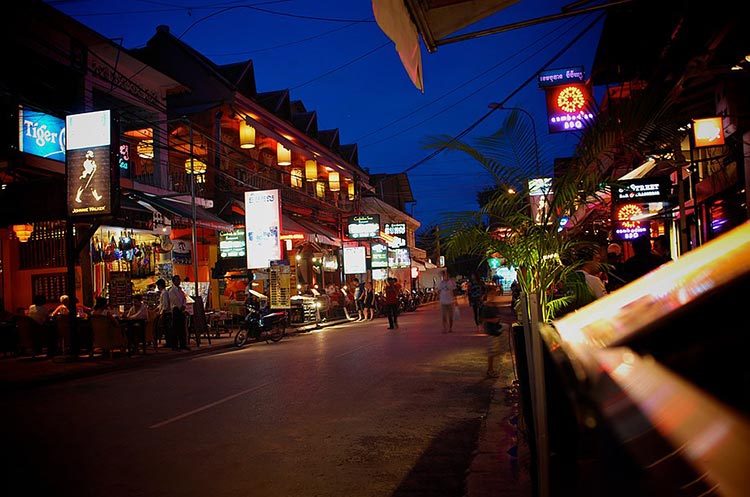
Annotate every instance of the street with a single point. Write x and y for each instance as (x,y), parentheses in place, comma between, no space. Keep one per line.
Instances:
(353,409)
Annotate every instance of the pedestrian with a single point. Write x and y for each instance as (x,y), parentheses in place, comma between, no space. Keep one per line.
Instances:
(661,247)
(477,295)
(643,261)
(359,289)
(178,304)
(491,319)
(613,274)
(392,290)
(369,302)
(447,292)
(164,313)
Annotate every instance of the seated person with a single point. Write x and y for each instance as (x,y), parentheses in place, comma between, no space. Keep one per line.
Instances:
(37,311)
(139,309)
(62,309)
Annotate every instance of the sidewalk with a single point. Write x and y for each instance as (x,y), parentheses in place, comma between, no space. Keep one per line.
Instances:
(18,373)
(501,464)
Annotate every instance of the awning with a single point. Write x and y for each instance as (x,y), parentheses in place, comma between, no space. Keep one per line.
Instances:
(183,213)
(422,265)
(319,234)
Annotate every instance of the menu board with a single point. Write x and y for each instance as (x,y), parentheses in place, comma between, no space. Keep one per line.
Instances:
(279,285)
(120,290)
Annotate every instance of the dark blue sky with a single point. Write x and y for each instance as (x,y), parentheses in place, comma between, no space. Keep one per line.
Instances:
(333,56)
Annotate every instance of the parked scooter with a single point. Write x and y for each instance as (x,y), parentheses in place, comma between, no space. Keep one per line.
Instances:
(259,326)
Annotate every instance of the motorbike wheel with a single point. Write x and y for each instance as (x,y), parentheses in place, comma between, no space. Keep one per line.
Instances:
(277,332)
(240,339)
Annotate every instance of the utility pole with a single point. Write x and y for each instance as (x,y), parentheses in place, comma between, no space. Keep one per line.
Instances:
(437,244)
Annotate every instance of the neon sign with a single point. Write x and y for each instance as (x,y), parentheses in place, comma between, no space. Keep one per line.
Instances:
(569,108)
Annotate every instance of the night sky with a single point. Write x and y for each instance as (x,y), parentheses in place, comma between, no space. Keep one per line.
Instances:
(333,57)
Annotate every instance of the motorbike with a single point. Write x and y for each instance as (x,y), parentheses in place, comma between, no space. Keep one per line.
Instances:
(259,326)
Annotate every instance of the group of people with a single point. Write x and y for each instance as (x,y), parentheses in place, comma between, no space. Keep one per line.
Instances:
(364,300)
(173,313)
(366,303)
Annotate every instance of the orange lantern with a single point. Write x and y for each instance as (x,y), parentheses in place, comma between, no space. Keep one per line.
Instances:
(23,231)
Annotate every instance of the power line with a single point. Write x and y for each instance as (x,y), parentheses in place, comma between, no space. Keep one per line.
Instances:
(466,83)
(511,95)
(347,64)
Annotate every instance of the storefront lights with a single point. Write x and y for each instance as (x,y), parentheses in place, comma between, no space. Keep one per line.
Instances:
(145,149)
(23,232)
(247,135)
(283,155)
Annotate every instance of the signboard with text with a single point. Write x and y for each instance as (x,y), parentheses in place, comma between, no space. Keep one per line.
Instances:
(41,134)
(363,226)
(641,190)
(232,244)
(570,107)
(263,227)
(564,76)
(379,257)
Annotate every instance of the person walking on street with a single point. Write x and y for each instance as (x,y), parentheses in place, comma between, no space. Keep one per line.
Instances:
(392,290)
(358,293)
(491,319)
(369,302)
(178,303)
(477,295)
(447,291)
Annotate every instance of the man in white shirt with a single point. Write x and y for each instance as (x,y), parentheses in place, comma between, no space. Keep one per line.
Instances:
(447,292)
(177,303)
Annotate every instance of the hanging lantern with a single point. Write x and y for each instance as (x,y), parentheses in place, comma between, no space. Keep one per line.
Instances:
(311,170)
(333,181)
(350,190)
(195,166)
(283,155)
(296,177)
(247,135)
(23,231)
(145,149)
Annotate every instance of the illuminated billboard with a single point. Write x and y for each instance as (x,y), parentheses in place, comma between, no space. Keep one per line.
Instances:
(89,177)
(569,107)
(355,260)
(263,227)
(363,226)
(41,134)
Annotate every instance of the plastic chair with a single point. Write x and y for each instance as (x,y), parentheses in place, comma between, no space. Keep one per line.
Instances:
(106,335)
(30,336)
(63,332)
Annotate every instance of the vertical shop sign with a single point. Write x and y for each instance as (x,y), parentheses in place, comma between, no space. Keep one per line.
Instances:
(89,176)
(279,281)
(263,226)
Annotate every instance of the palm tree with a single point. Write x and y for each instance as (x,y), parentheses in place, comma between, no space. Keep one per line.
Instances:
(504,223)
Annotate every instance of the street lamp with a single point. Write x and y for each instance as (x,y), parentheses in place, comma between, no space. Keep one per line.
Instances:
(495,105)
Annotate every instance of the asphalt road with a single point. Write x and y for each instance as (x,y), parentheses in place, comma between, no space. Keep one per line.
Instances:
(352,410)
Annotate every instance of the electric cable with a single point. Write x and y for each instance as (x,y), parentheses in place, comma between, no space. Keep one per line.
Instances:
(511,95)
